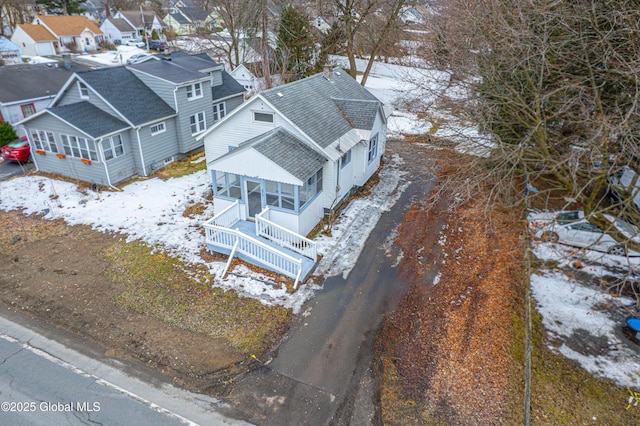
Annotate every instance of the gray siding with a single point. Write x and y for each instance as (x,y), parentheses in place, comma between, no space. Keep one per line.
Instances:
(233,103)
(72,96)
(187,108)
(123,167)
(217,78)
(159,147)
(70,167)
(161,88)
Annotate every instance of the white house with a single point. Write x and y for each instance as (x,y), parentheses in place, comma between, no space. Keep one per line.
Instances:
(244,76)
(290,154)
(34,40)
(76,33)
(118,31)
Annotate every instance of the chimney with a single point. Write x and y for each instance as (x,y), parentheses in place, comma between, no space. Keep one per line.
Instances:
(66,60)
(107,12)
(327,71)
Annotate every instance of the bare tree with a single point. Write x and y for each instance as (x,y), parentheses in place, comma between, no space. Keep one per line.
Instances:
(556,87)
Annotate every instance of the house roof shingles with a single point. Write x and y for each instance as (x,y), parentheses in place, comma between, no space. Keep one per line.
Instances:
(37,32)
(229,87)
(69,25)
(138,19)
(32,81)
(361,114)
(126,93)
(180,69)
(121,25)
(90,119)
(311,105)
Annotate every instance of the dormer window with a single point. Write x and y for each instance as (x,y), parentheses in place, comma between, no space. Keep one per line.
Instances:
(194,91)
(263,117)
(84,90)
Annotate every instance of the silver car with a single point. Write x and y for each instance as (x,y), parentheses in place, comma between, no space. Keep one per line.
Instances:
(573,229)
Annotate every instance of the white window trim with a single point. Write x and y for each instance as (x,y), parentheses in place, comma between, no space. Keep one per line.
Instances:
(219,110)
(81,87)
(197,123)
(194,94)
(266,123)
(156,132)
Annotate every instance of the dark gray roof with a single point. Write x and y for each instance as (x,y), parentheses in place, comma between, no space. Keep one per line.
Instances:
(24,82)
(180,19)
(121,24)
(180,69)
(89,118)
(194,13)
(311,105)
(288,152)
(127,94)
(361,114)
(228,88)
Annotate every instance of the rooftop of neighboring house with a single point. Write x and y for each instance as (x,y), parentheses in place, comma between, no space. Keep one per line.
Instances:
(68,25)
(137,18)
(32,81)
(37,32)
(180,68)
(229,87)
(127,94)
(6,45)
(179,18)
(120,24)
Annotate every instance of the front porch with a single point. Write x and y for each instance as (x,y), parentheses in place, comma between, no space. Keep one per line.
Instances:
(261,243)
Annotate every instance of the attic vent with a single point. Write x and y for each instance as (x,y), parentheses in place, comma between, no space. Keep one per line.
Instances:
(279,94)
(337,72)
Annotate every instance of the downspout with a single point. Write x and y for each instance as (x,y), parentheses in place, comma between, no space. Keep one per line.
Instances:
(31,146)
(178,121)
(104,161)
(144,168)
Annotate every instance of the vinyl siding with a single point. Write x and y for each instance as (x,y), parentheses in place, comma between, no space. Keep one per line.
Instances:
(161,88)
(217,78)
(160,147)
(233,103)
(187,108)
(72,96)
(70,167)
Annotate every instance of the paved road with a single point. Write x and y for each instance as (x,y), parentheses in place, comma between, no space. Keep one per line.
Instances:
(320,373)
(11,168)
(45,383)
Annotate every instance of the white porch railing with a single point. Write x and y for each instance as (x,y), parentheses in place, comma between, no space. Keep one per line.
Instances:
(284,237)
(238,242)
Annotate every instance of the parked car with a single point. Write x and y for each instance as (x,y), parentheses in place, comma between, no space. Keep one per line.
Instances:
(138,57)
(158,45)
(624,183)
(136,43)
(17,150)
(572,228)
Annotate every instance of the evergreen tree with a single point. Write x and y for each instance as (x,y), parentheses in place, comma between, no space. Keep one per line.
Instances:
(296,43)
(7,134)
(62,7)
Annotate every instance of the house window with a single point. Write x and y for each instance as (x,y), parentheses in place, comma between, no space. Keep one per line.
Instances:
(311,188)
(197,122)
(112,147)
(346,159)
(194,91)
(262,117)
(84,90)
(219,111)
(280,195)
(44,140)
(373,148)
(228,185)
(79,147)
(158,128)
(28,109)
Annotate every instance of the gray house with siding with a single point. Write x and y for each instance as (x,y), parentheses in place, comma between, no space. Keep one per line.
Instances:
(107,125)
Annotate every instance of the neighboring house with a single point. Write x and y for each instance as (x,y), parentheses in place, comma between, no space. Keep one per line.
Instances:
(244,76)
(118,31)
(109,124)
(179,24)
(35,40)
(30,88)
(287,157)
(145,22)
(9,52)
(185,19)
(75,33)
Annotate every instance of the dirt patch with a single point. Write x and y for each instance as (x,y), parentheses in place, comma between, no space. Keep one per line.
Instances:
(56,272)
(445,351)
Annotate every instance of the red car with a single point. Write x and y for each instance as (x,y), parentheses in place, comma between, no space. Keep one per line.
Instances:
(17,150)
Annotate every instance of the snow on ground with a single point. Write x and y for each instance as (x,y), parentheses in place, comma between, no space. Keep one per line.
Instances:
(571,309)
(151,210)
